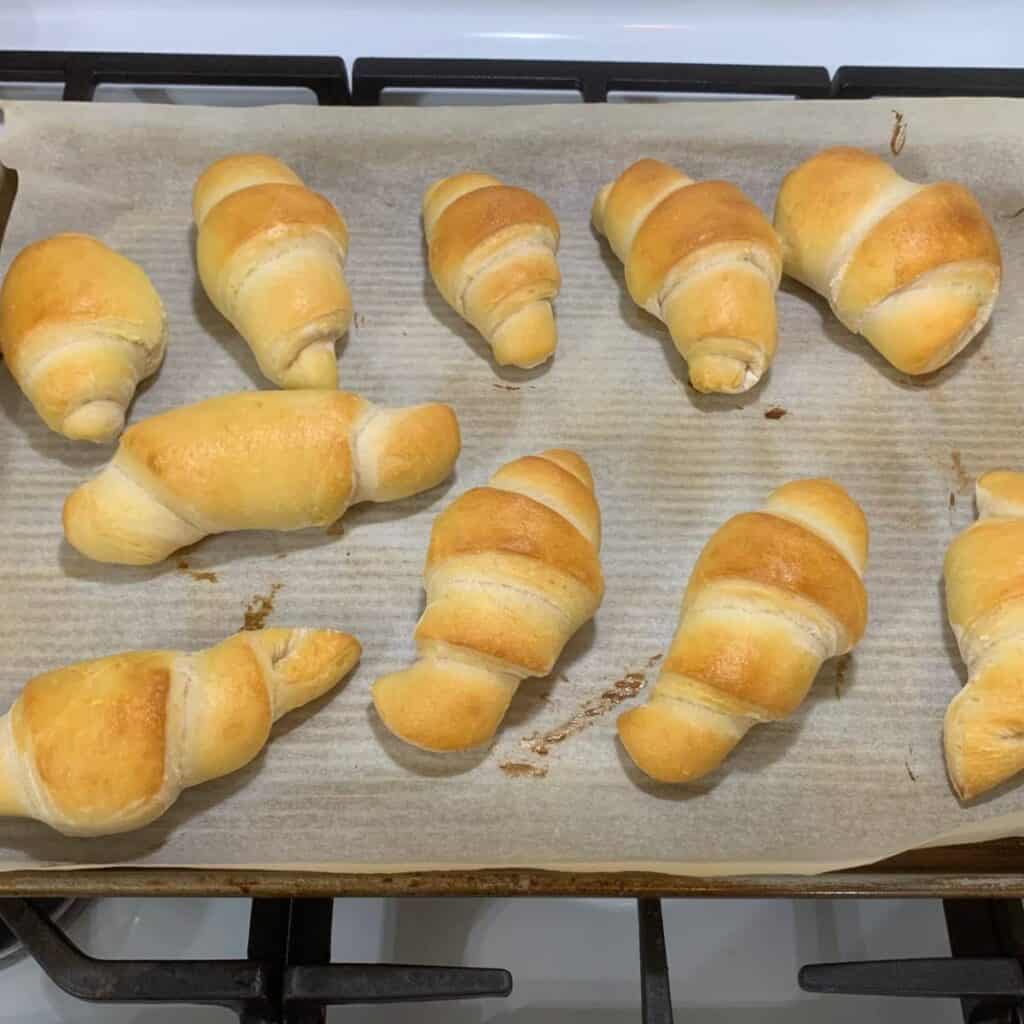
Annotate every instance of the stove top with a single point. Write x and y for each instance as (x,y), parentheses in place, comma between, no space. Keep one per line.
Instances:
(287,973)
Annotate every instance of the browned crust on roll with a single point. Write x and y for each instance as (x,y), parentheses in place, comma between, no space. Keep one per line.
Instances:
(477,216)
(273,210)
(223,459)
(97,765)
(762,548)
(940,225)
(485,519)
(688,220)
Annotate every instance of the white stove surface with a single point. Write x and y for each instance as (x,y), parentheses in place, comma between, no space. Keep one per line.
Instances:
(910,32)
(571,960)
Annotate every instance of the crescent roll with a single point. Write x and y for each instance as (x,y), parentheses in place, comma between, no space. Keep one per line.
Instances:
(260,460)
(913,268)
(703,259)
(773,594)
(271,256)
(107,746)
(491,250)
(80,327)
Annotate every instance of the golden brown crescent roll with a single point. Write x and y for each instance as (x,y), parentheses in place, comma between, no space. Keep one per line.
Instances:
(107,746)
(703,259)
(913,268)
(512,572)
(774,593)
(261,460)
(492,256)
(271,257)
(985,600)
(80,326)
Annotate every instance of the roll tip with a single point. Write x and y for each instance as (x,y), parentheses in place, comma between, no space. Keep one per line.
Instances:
(527,338)
(442,709)
(100,422)
(667,747)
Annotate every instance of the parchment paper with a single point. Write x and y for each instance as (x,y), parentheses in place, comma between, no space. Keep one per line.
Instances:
(856,774)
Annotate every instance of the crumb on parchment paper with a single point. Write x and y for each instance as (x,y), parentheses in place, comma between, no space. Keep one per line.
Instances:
(201,575)
(523,770)
(259,608)
(590,710)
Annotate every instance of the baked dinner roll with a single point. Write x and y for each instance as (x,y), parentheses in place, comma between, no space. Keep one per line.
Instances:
(492,253)
(512,572)
(260,460)
(703,259)
(108,745)
(984,575)
(80,327)
(913,268)
(271,256)
(773,594)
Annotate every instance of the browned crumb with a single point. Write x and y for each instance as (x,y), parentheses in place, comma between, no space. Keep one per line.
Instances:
(202,575)
(1016,213)
(910,771)
(260,607)
(842,667)
(281,554)
(952,500)
(775,413)
(960,477)
(523,770)
(899,133)
(585,715)
(336,529)
(506,387)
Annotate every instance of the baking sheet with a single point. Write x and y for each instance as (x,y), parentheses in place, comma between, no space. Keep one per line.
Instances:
(856,774)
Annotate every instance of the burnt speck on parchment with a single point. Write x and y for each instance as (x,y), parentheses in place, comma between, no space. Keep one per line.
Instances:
(259,608)
(590,710)
(201,575)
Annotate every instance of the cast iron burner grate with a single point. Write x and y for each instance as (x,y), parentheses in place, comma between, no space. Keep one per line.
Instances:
(287,978)
(327,77)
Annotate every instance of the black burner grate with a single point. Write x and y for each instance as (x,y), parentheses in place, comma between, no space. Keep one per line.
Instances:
(287,978)
(81,73)
(327,78)
(593,80)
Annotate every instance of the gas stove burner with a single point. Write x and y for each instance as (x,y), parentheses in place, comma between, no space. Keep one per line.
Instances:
(57,910)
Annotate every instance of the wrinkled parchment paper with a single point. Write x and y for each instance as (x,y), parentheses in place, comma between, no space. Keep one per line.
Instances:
(856,774)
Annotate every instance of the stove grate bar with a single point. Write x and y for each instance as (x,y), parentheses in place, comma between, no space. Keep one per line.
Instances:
(985,972)
(656,995)
(82,72)
(865,82)
(593,80)
(229,983)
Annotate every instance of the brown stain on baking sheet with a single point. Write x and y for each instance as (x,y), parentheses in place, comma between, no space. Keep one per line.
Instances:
(202,575)
(776,412)
(506,387)
(589,711)
(898,139)
(259,608)
(961,479)
(523,770)
(336,529)
(842,667)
